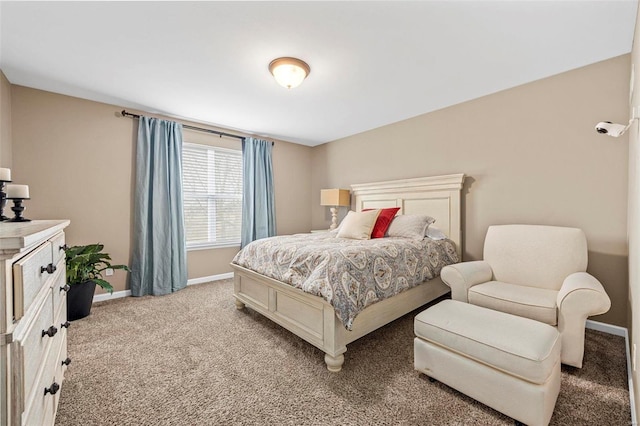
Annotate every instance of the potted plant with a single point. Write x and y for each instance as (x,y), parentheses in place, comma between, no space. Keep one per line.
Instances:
(85,265)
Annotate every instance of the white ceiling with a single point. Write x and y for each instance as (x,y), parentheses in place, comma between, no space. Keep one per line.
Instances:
(372,63)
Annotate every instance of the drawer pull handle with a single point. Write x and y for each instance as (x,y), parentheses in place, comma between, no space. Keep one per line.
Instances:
(53,389)
(50,332)
(64,247)
(66,361)
(65,288)
(50,268)
(66,324)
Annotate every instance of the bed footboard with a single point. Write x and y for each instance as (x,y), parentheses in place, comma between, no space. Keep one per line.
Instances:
(307,316)
(314,320)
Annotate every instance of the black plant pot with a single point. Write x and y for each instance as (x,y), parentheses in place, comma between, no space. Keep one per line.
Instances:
(79,300)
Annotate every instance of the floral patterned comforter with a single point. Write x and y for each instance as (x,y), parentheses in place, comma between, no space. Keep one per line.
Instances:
(349,274)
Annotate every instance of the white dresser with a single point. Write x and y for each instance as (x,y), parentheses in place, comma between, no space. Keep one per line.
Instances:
(33,321)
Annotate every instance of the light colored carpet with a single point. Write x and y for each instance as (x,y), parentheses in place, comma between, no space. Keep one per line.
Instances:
(191,358)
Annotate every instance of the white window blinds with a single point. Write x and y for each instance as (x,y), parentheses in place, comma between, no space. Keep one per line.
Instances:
(212,188)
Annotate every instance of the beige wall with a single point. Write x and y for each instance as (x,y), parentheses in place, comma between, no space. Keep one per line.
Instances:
(77,157)
(634,218)
(531,156)
(5,121)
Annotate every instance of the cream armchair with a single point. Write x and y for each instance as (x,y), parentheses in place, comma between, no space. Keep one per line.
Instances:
(536,272)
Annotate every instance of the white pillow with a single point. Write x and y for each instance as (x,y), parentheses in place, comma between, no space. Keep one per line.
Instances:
(410,226)
(434,233)
(358,225)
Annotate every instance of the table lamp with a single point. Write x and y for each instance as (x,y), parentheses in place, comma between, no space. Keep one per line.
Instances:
(334,198)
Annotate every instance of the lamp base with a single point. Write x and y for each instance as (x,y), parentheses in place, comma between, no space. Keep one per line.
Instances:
(334,218)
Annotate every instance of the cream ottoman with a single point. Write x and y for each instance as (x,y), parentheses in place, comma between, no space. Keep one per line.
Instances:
(510,363)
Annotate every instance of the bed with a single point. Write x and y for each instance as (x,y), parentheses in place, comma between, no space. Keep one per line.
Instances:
(311,317)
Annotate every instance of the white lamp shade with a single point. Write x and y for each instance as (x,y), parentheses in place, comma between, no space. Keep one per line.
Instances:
(289,72)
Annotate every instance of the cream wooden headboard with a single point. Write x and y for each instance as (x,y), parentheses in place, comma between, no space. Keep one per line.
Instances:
(436,196)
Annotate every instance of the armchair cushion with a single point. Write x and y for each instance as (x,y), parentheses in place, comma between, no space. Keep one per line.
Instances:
(530,302)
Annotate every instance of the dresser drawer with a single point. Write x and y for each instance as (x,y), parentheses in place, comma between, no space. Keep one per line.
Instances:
(34,346)
(60,321)
(58,287)
(62,363)
(28,277)
(41,408)
(57,248)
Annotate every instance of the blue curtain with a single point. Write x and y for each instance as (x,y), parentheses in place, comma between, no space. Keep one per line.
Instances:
(258,204)
(159,260)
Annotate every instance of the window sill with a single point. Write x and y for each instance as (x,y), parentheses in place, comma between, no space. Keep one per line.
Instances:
(212,246)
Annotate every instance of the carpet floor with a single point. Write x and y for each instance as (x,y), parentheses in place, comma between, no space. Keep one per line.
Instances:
(192,358)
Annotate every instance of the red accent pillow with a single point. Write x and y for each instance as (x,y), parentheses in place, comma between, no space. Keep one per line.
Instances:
(384,220)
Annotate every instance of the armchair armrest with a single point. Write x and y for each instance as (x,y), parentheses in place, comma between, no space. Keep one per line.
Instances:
(580,296)
(462,276)
(583,294)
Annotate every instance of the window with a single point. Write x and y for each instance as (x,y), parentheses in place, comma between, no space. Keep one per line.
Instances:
(212,187)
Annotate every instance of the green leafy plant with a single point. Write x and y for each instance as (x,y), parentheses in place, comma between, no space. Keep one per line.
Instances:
(86,263)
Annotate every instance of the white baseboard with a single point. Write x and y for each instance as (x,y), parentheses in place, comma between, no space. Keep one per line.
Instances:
(210,278)
(115,295)
(192,281)
(632,399)
(606,328)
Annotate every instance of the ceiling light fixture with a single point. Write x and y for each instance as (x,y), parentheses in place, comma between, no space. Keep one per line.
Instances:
(289,72)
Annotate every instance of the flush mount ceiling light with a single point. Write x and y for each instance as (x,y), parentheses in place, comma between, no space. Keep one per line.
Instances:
(289,72)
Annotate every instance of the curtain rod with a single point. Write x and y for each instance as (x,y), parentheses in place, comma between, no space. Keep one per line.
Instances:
(186,126)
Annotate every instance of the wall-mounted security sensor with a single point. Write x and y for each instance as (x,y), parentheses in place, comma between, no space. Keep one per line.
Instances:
(613,129)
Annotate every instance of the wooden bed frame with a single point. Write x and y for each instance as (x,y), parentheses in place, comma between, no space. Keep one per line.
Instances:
(311,317)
